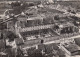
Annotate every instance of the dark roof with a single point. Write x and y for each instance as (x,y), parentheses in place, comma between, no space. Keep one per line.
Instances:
(10,34)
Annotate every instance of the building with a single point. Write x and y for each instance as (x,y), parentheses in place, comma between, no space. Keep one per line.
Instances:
(71,49)
(53,26)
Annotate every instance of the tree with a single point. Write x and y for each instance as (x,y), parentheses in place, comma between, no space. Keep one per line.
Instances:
(18,7)
(56,17)
(2,27)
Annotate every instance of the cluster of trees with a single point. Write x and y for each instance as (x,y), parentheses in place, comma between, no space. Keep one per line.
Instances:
(3,26)
(56,17)
(21,6)
(76,20)
(50,49)
(18,7)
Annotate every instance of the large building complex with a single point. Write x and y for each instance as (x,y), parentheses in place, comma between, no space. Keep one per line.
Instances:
(40,29)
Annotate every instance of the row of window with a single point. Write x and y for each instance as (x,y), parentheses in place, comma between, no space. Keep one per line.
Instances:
(37,22)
